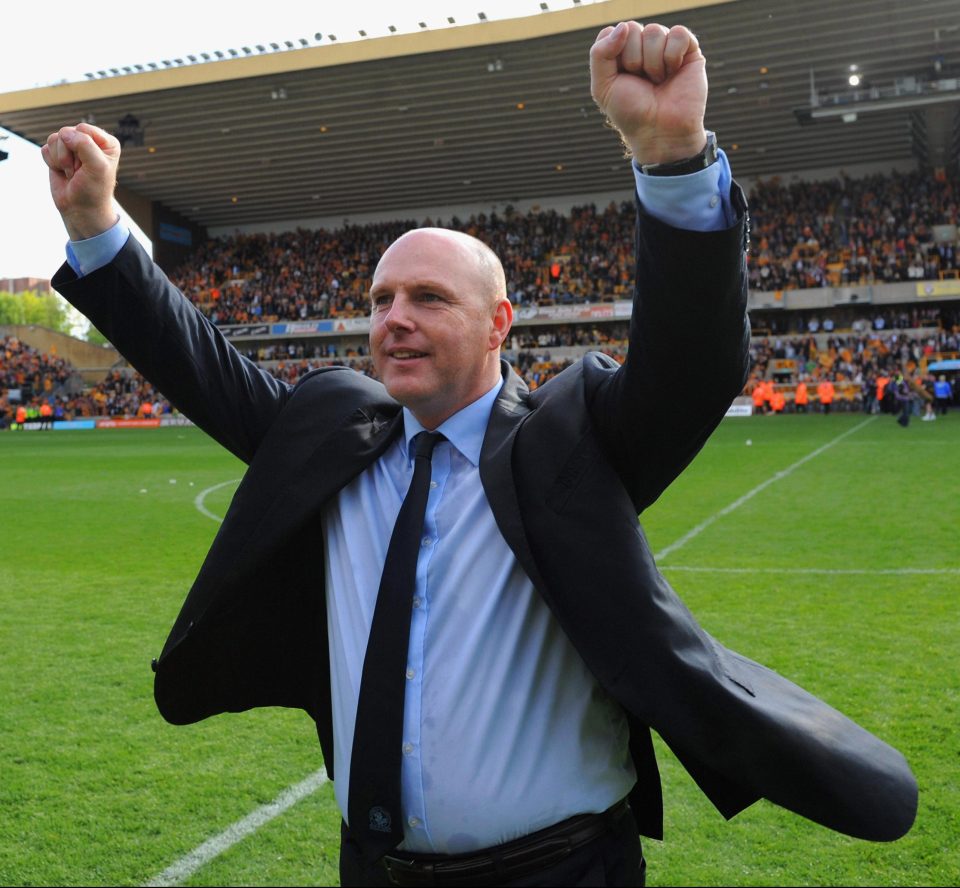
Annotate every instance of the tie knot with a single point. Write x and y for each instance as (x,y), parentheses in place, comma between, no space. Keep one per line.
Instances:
(424,442)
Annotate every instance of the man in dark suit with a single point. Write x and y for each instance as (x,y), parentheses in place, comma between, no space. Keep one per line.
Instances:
(543,642)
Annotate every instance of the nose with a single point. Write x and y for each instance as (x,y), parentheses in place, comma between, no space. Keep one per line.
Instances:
(399,316)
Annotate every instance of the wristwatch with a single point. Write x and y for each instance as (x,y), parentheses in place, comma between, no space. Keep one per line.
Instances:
(686,166)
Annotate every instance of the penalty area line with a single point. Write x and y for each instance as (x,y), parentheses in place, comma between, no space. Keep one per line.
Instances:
(187,865)
(726,510)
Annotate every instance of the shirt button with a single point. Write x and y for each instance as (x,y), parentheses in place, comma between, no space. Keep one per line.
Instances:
(417,601)
(413,821)
(408,749)
(426,542)
(433,485)
(714,201)
(410,673)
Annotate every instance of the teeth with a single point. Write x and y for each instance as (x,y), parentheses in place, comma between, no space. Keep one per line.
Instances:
(407,354)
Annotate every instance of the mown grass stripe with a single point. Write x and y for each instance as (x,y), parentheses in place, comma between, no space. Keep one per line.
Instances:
(726,510)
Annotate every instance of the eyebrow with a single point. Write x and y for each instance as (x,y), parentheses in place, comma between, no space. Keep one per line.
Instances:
(420,284)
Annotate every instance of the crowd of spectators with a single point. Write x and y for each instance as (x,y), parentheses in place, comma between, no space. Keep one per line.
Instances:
(852,361)
(32,372)
(859,320)
(855,366)
(120,394)
(549,258)
(878,229)
(844,231)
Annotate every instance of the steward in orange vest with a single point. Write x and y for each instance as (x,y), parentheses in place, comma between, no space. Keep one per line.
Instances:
(802,397)
(825,392)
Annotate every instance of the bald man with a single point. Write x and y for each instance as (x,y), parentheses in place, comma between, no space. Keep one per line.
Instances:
(543,644)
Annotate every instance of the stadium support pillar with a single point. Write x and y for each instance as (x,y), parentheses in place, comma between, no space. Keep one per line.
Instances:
(174,237)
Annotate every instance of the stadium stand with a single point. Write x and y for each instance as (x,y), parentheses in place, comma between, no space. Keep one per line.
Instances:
(875,230)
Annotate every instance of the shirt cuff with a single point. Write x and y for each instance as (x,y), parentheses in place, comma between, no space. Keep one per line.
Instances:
(697,202)
(86,256)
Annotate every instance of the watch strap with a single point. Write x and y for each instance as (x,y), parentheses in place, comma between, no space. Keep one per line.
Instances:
(686,166)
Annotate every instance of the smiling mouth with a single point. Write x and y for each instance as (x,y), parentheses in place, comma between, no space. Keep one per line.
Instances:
(406,355)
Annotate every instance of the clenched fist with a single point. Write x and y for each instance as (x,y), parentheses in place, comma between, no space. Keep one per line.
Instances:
(651,83)
(83,163)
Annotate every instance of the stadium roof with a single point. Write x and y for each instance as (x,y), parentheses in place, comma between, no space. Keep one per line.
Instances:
(501,110)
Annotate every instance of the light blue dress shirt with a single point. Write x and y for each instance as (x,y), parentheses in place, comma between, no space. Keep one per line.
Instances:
(505,730)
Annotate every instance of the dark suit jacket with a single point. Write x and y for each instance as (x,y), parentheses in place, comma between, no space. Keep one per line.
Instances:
(566,469)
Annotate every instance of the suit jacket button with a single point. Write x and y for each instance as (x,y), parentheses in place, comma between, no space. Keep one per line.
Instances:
(153,664)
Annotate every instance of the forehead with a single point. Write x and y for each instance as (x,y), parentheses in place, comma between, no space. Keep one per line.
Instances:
(432,256)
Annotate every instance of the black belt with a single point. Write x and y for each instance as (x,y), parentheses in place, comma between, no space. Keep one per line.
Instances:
(530,854)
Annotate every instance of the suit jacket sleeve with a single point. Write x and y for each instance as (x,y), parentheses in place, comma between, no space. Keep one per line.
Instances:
(687,357)
(161,333)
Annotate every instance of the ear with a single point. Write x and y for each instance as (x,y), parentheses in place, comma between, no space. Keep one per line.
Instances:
(502,321)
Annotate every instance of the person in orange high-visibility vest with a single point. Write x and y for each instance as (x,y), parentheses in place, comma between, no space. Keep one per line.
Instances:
(21,416)
(768,394)
(778,401)
(826,393)
(882,382)
(46,416)
(802,397)
(759,403)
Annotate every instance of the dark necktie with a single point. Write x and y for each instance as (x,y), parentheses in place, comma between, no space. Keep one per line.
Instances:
(374,800)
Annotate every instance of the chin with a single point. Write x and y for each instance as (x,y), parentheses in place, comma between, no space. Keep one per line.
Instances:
(406,391)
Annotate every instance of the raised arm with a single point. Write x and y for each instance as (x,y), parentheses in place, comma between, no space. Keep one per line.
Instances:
(688,331)
(151,323)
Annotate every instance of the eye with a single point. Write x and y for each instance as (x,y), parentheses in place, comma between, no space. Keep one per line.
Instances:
(429,296)
(380,301)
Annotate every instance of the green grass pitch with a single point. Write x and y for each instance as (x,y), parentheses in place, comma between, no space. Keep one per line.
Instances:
(843,573)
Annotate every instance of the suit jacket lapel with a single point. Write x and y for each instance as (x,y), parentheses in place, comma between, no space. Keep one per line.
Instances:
(301,493)
(496,468)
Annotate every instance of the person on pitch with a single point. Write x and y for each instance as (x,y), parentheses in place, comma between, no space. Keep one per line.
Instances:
(446,571)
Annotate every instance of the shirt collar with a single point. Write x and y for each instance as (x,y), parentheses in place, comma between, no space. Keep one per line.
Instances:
(464,430)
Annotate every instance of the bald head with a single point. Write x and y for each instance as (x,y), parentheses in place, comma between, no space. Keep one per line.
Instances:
(463,251)
(439,314)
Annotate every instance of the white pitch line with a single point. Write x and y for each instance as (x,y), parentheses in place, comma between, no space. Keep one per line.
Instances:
(187,865)
(877,571)
(703,525)
(200,497)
